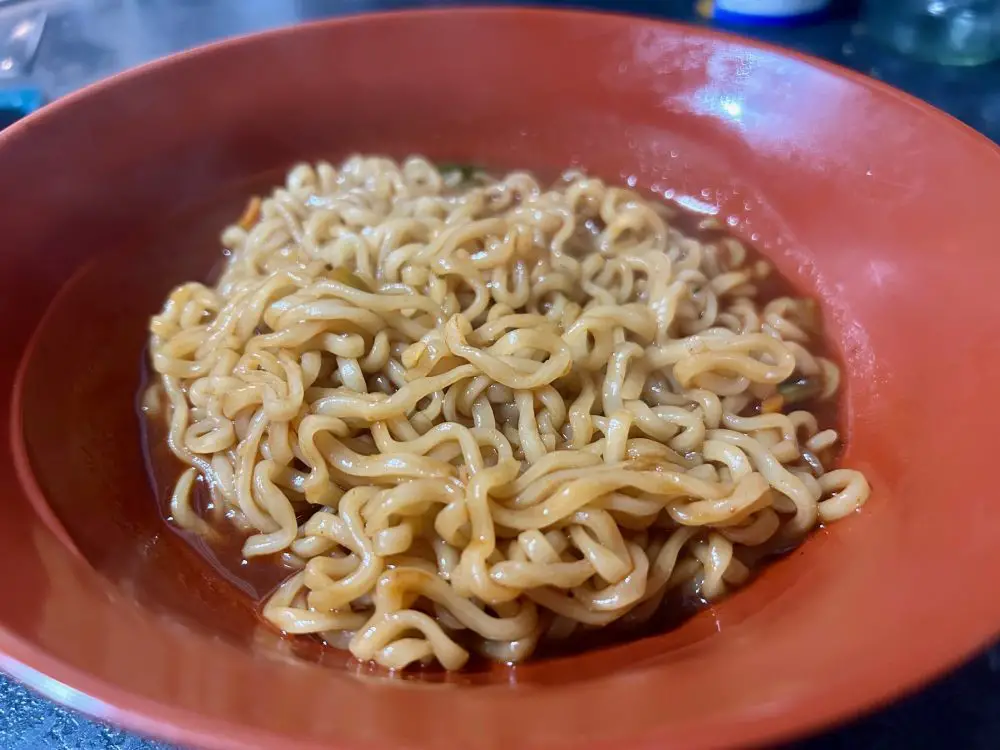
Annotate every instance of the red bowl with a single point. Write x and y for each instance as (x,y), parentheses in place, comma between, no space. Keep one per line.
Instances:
(876,203)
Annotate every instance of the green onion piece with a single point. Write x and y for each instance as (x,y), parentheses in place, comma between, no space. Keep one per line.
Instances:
(467,171)
(799,388)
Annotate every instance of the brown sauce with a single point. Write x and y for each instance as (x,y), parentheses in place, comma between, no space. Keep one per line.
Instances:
(251,581)
(256,577)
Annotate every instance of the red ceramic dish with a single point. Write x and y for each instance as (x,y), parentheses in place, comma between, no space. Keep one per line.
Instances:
(878,204)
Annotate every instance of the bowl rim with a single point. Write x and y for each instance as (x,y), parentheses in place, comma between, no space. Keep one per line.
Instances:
(105,701)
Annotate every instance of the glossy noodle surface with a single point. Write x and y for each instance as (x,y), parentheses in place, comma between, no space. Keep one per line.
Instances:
(472,413)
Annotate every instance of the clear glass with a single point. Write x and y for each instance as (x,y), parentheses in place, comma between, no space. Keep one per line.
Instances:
(20,33)
(951,32)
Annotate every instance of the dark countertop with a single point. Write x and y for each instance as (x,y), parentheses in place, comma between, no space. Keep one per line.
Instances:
(85,40)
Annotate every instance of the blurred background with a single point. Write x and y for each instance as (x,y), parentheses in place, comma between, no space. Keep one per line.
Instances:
(51,47)
(943,51)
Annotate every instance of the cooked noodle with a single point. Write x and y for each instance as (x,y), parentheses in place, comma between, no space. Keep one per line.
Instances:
(479,414)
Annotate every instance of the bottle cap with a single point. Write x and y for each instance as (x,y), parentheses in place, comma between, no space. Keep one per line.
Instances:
(771,12)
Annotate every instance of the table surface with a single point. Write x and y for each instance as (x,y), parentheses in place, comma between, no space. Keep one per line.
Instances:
(86,40)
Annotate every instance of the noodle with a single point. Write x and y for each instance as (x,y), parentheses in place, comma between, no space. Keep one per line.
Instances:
(477,414)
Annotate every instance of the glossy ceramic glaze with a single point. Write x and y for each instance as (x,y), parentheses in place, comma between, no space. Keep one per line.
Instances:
(879,205)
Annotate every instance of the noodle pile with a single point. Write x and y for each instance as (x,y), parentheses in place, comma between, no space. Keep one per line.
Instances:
(479,414)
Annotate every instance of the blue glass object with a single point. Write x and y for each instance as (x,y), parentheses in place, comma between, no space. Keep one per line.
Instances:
(18,103)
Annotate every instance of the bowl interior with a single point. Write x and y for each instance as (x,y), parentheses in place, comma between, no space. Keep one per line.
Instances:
(833,178)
